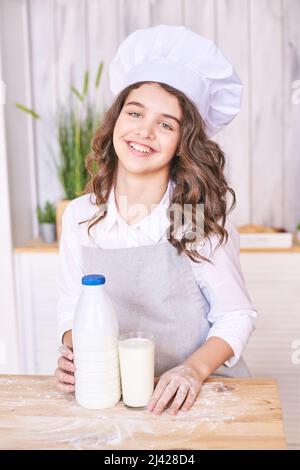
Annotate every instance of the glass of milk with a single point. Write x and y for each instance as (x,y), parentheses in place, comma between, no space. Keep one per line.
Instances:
(136,354)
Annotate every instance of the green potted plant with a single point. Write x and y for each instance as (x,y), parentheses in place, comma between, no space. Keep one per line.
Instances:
(46,217)
(298,233)
(76,124)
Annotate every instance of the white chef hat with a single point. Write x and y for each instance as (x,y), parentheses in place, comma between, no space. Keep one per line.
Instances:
(186,61)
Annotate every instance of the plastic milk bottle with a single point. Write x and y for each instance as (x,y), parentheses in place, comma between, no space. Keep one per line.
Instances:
(95,345)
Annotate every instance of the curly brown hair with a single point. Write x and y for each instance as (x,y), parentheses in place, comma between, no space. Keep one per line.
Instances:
(197,170)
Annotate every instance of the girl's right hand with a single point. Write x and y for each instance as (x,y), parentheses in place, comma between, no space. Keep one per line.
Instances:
(65,379)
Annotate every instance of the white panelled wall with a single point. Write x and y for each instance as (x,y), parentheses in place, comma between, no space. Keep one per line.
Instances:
(66,37)
(9,339)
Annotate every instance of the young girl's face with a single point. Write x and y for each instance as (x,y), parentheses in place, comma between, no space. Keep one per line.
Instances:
(149,121)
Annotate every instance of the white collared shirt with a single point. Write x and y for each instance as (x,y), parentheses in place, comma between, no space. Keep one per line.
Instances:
(231,315)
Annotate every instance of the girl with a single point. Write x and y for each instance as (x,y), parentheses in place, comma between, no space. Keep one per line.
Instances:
(174,90)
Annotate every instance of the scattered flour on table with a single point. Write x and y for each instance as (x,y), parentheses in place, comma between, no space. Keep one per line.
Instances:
(217,404)
(123,431)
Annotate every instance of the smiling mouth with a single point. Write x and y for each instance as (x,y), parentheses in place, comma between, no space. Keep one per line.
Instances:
(138,153)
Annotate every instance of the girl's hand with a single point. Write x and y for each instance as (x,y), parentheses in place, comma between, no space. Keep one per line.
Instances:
(183,381)
(64,374)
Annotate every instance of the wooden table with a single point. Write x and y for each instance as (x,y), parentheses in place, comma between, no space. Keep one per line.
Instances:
(228,414)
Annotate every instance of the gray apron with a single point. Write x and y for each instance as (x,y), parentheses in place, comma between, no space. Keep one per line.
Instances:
(153,289)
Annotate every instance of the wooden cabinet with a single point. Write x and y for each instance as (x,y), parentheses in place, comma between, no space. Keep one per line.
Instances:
(273,282)
(37,294)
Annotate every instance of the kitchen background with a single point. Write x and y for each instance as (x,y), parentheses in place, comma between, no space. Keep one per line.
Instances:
(45,47)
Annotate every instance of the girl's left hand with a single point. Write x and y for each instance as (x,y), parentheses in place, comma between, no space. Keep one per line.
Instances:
(184,381)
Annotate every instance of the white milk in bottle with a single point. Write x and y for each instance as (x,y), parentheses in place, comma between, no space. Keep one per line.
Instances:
(95,345)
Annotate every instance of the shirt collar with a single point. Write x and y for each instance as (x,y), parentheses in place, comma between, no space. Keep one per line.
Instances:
(154,225)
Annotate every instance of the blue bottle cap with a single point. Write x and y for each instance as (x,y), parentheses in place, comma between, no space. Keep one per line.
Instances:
(93,280)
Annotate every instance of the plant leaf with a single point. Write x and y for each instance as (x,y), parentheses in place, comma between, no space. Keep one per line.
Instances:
(77,93)
(27,110)
(99,73)
(85,83)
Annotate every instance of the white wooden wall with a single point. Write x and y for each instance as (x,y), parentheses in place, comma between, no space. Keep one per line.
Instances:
(261,37)
(9,338)
(21,163)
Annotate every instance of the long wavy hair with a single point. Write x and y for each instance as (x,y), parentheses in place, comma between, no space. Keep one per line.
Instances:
(197,170)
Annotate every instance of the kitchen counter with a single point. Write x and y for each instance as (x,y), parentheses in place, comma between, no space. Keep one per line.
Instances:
(38,246)
(228,414)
